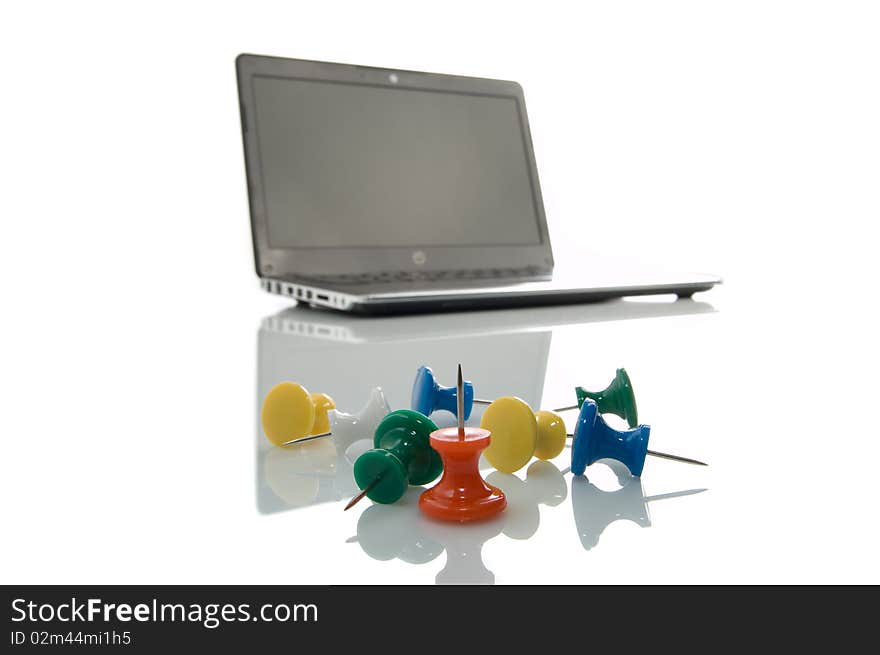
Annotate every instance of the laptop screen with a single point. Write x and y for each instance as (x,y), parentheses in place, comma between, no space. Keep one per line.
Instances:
(350,165)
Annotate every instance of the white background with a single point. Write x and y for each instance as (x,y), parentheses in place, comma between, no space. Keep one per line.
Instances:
(738,138)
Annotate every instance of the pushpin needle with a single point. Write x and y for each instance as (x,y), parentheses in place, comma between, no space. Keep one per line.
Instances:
(555,411)
(354,501)
(309,438)
(675,458)
(459,397)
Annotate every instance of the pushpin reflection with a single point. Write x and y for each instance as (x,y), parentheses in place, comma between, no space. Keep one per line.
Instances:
(312,473)
(400,531)
(595,509)
(463,544)
(544,485)
(385,532)
(292,489)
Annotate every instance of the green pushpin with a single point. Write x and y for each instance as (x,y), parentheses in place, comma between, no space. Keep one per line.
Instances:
(617,398)
(402,455)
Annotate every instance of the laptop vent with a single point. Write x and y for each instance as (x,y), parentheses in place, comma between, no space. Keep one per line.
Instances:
(304,294)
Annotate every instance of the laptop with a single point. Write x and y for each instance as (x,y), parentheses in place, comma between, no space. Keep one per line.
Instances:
(381,191)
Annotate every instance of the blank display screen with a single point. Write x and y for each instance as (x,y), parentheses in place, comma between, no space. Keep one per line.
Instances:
(353,165)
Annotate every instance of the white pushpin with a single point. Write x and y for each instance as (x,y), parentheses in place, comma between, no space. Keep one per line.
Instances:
(349,428)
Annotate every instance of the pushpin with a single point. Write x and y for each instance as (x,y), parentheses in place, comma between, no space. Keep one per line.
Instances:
(594,440)
(292,415)
(519,433)
(402,455)
(428,395)
(348,428)
(461,494)
(617,398)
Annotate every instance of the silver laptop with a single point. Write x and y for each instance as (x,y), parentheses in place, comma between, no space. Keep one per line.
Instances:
(382,191)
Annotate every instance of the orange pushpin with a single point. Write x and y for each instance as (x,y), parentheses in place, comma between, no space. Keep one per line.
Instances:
(461,494)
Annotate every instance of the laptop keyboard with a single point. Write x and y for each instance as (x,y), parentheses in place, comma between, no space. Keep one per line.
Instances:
(422,276)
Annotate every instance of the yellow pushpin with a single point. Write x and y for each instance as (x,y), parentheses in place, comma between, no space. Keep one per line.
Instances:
(292,416)
(551,435)
(518,433)
(323,404)
(290,412)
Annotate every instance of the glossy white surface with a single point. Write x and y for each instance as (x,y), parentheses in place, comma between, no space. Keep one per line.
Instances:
(739,141)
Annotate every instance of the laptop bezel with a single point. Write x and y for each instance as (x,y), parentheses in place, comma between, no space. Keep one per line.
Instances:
(304,262)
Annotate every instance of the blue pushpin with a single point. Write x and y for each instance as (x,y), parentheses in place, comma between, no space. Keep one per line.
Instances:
(595,440)
(428,395)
